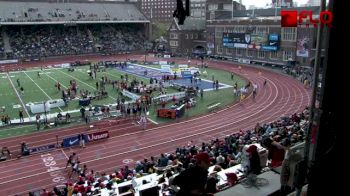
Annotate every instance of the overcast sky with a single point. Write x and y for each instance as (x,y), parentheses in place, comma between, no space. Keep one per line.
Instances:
(262,3)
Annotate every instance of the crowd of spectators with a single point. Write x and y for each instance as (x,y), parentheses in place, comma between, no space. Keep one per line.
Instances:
(111,39)
(223,153)
(36,42)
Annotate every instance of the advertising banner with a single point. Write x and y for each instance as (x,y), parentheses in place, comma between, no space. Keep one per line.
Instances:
(170,96)
(303,47)
(42,149)
(8,61)
(241,38)
(165,69)
(97,136)
(72,141)
(269,48)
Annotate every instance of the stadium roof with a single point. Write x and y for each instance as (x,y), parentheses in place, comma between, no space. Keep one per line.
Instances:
(46,13)
(270,12)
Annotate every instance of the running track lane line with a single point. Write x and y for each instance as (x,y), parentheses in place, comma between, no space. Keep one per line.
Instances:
(19,97)
(154,145)
(40,88)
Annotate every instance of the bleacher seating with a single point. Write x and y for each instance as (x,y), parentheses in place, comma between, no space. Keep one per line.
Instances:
(229,147)
(36,42)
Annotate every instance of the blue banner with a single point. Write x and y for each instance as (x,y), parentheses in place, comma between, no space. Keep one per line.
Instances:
(41,149)
(72,141)
(269,48)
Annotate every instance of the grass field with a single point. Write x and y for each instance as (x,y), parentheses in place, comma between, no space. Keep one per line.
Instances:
(39,89)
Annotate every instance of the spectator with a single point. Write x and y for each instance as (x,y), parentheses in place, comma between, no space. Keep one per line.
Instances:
(193,180)
(254,160)
(24,149)
(20,114)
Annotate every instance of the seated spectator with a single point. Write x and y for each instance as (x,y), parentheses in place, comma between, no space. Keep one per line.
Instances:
(5,154)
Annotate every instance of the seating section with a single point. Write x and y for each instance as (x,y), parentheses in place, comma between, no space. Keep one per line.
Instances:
(226,155)
(36,42)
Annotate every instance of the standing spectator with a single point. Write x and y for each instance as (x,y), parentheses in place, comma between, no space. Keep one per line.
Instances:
(81,138)
(254,160)
(201,92)
(193,180)
(82,112)
(21,119)
(232,75)
(67,117)
(22,90)
(276,152)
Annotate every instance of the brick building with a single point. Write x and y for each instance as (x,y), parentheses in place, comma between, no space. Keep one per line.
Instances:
(296,44)
(187,38)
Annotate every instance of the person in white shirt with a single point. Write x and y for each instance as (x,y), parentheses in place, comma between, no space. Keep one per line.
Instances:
(143,121)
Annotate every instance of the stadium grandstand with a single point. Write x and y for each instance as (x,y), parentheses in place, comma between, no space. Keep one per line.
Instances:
(33,30)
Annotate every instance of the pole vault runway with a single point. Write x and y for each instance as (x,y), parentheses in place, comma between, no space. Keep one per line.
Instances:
(281,96)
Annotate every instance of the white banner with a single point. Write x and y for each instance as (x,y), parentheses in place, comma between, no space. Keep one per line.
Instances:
(63,65)
(183,66)
(246,61)
(166,56)
(130,95)
(41,108)
(163,62)
(8,61)
(165,69)
(238,45)
(169,97)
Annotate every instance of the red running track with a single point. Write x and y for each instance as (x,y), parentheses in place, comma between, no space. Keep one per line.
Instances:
(281,96)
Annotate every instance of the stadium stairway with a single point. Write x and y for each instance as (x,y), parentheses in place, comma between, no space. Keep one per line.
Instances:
(6,41)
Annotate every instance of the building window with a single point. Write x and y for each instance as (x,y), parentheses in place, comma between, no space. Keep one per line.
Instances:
(229,51)
(196,36)
(287,55)
(250,53)
(239,29)
(273,55)
(261,30)
(239,52)
(173,36)
(191,35)
(289,34)
(219,49)
(218,32)
(261,54)
(186,36)
(173,43)
(212,7)
(228,7)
